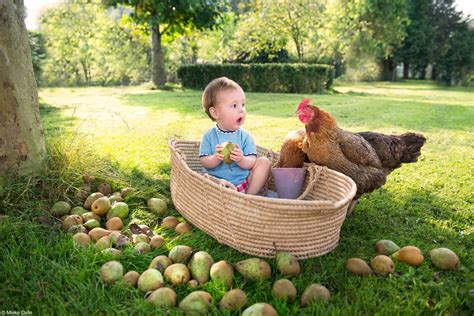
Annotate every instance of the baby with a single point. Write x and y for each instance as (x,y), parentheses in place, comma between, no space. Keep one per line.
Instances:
(224,102)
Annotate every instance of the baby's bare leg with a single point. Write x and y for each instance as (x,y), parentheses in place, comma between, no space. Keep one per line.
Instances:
(259,175)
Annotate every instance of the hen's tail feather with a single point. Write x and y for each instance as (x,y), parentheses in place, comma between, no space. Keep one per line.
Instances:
(413,143)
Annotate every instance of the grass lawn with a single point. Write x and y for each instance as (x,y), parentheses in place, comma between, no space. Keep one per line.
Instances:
(120,135)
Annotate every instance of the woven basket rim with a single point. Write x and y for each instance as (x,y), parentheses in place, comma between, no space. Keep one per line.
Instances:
(274,201)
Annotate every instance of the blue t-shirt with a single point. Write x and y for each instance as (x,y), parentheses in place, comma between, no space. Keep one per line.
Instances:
(215,136)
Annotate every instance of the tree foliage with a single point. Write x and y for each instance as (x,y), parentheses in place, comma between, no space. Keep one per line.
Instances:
(86,46)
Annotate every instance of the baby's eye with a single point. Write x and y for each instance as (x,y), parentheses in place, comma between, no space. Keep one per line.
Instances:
(243,105)
(234,105)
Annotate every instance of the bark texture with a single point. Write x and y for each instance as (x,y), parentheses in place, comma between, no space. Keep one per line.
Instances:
(22,146)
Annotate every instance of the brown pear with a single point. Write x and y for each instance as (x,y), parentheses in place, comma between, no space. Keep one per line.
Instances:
(115,223)
(98,233)
(156,241)
(169,222)
(284,289)
(234,300)
(131,277)
(182,228)
(315,293)
(409,254)
(358,267)
(382,265)
(444,258)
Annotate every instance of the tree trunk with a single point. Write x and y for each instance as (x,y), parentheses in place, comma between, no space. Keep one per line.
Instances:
(158,65)
(22,147)
(406,68)
(388,70)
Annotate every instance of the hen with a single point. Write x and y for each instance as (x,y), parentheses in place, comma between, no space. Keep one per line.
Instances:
(366,157)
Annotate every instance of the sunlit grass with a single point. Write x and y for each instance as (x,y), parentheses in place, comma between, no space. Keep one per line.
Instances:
(120,135)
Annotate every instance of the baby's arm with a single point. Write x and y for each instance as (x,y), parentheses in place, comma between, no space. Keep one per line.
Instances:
(210,162)
(244,162)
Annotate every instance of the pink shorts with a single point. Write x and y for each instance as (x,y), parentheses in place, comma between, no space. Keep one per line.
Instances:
(243,186)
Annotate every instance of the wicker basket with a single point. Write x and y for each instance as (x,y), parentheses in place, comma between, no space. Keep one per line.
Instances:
(306,227)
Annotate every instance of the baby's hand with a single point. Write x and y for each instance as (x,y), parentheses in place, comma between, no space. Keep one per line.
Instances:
(236,155)
(218,154)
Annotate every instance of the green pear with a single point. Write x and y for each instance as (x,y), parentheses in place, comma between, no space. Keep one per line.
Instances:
(284,289)
(111,252)
(91,199)
(358,267)
(163,298)
(142,247)
(444,258)
(150,280)
(192,284)
(71,220)
(114,198)
(111,271)
(74,229)
(180,254)
(90,215)
(118,209)
(60,208)
(260,309)
(101,206)
(315,293)
(103,243)
(222,272)
(92,223)
(157,206)
(196,303)
(254,269)
(160,263)
(227,148)
(386,247)
(177,274)
(287,264)
(233,300)
(78,210)
(200,266)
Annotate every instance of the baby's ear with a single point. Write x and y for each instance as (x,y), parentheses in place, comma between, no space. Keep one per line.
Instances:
(213,112)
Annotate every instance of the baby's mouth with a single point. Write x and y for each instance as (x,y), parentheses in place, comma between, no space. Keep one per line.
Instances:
(239,120)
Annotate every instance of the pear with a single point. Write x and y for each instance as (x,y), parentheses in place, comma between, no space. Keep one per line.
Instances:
(111,252)
(90,215)
(169,222)
(254,269)
(115,223)
(200,266)
(222,272)
(177,274)
(227,148)
(97,233)
(182,228)
(115,198)
(78,210)
(104,188)
(382,265)
(91,199)
(386,247)
(444,258)
(163,298)
(60,208)
(140,238)
(287,264)
(114,235)
(118,209)
(71,220)
(284,289)
(81,239)
(111,271)
(358,267)
(101,206)
(142,247)
(409,254)
(314,293)
(196,303)
(260,309)
(160,263)
(91,224)
(103,243)
(192,284)
(157,206)
(126,192)
(131,277)
(156,241)
(74,229)
(234,300)
(150,280)
(180,254)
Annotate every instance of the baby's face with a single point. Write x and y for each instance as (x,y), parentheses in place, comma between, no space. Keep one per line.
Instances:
(230,110)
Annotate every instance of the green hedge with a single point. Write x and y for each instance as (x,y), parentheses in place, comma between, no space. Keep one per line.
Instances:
(286,78)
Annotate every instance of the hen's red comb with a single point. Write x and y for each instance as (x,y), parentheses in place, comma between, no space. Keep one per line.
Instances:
(303,103)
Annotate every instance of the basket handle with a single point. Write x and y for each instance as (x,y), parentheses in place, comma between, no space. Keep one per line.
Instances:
(314,173)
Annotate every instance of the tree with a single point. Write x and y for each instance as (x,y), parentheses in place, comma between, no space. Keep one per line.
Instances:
(170,18)
(22,146)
